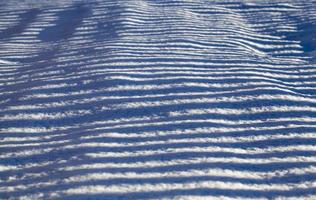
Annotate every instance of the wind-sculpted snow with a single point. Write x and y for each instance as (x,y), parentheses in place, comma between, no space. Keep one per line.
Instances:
(158,99)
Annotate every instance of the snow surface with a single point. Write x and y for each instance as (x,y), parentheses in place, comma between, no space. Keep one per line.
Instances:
(158,99)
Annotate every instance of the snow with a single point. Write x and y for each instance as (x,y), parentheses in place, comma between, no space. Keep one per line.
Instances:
(164,99)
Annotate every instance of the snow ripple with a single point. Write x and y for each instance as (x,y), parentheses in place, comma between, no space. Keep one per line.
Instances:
(166,99)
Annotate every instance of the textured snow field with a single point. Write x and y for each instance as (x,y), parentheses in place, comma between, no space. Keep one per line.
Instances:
(158,99)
